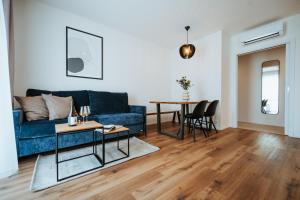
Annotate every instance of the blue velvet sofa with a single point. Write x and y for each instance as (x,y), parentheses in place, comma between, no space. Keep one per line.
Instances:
(107,108)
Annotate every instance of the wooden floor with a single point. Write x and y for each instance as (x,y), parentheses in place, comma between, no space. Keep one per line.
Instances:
(233,164)
(261,127)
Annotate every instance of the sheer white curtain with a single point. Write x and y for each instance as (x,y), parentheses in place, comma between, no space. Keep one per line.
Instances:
(8,152)
(8,15)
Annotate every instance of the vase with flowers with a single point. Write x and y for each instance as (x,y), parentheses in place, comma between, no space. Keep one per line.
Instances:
(185,84)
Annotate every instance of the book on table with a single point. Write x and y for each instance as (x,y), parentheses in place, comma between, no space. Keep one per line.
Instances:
(110,127)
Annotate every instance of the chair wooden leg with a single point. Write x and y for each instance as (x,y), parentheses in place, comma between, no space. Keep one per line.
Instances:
(210,123)
(203,130)
(174,115)
(194,132)
(206,134)
(192,124)
(213,124)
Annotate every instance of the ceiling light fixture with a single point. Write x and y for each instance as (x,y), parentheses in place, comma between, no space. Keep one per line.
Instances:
(187,50)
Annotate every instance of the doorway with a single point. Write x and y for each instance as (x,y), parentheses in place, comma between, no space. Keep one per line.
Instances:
(261,90)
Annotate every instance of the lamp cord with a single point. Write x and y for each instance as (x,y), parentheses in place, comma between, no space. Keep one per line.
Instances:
(187,36)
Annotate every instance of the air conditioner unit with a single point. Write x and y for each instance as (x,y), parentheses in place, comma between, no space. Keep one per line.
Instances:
(263,33)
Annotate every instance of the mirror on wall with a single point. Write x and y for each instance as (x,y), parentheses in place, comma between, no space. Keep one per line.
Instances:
(270,87)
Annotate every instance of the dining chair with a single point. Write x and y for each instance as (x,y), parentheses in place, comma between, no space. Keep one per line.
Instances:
(209,114)
(196,118)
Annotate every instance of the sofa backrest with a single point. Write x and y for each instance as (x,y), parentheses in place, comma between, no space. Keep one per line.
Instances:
(80,97)
(99,102)
(108,102)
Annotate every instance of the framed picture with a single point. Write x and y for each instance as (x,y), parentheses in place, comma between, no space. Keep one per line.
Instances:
(84,54)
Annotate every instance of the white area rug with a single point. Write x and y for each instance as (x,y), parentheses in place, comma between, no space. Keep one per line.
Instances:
(44,174)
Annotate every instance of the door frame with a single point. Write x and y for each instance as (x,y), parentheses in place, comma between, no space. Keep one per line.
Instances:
(290,44)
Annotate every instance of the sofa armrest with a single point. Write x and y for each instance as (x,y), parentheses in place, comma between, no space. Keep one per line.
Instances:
(137,109)
(140,110)
(18,120)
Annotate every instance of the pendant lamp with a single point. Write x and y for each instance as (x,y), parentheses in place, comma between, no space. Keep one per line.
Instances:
(187,50)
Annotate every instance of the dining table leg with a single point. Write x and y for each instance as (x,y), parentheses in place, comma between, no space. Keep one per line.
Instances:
(158,118)
(182,116)
(187,110)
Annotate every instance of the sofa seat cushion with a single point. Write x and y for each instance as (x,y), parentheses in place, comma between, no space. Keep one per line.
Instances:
(39,128)
(120,118)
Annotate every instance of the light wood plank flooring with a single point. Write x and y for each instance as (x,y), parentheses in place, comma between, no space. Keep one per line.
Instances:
(233,164)
(261,127)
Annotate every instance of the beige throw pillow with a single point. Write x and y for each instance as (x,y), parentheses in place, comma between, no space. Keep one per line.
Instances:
(33,107)
(58,107)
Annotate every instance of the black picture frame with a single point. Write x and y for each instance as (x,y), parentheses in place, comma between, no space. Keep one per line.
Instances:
(67,44)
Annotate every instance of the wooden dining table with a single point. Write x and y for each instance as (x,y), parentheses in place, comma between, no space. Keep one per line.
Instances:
(184,109)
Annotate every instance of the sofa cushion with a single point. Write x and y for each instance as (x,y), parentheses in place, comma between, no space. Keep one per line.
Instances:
(120,118)
(33,107)
(58,107)
(35,92)
(80,97)
(39,128)
(108,103)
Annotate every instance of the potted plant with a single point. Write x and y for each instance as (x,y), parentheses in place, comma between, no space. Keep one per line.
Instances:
(264,103)
(185,84)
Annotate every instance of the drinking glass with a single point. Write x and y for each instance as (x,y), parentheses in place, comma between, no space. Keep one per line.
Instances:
(88,111)
(82,114)
(85,112)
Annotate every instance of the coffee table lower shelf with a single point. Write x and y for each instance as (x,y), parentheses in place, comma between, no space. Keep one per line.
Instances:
(101,162)
(116,131)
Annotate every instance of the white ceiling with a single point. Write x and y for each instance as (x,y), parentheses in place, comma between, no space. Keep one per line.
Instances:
(163,21)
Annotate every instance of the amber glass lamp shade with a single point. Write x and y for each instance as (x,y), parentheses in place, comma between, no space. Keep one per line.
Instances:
(187,51)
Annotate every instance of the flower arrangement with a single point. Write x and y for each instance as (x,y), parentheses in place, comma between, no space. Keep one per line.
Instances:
(184,83)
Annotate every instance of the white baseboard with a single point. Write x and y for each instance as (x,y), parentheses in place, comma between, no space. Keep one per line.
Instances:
(8,173)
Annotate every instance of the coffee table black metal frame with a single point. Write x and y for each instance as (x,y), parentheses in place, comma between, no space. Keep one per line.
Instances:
(101,161)
(118,146)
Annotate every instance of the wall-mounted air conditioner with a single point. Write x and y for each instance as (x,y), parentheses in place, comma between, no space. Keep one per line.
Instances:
(263,33)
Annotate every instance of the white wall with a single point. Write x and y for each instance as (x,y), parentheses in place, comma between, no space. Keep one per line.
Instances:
(8,153)
(292,39)
(144,70)
(225,83)
(130,65)
(249,87)
(203,69)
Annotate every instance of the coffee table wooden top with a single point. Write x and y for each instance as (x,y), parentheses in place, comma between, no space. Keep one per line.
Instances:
(121,129)
(175,102)
(64,128)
